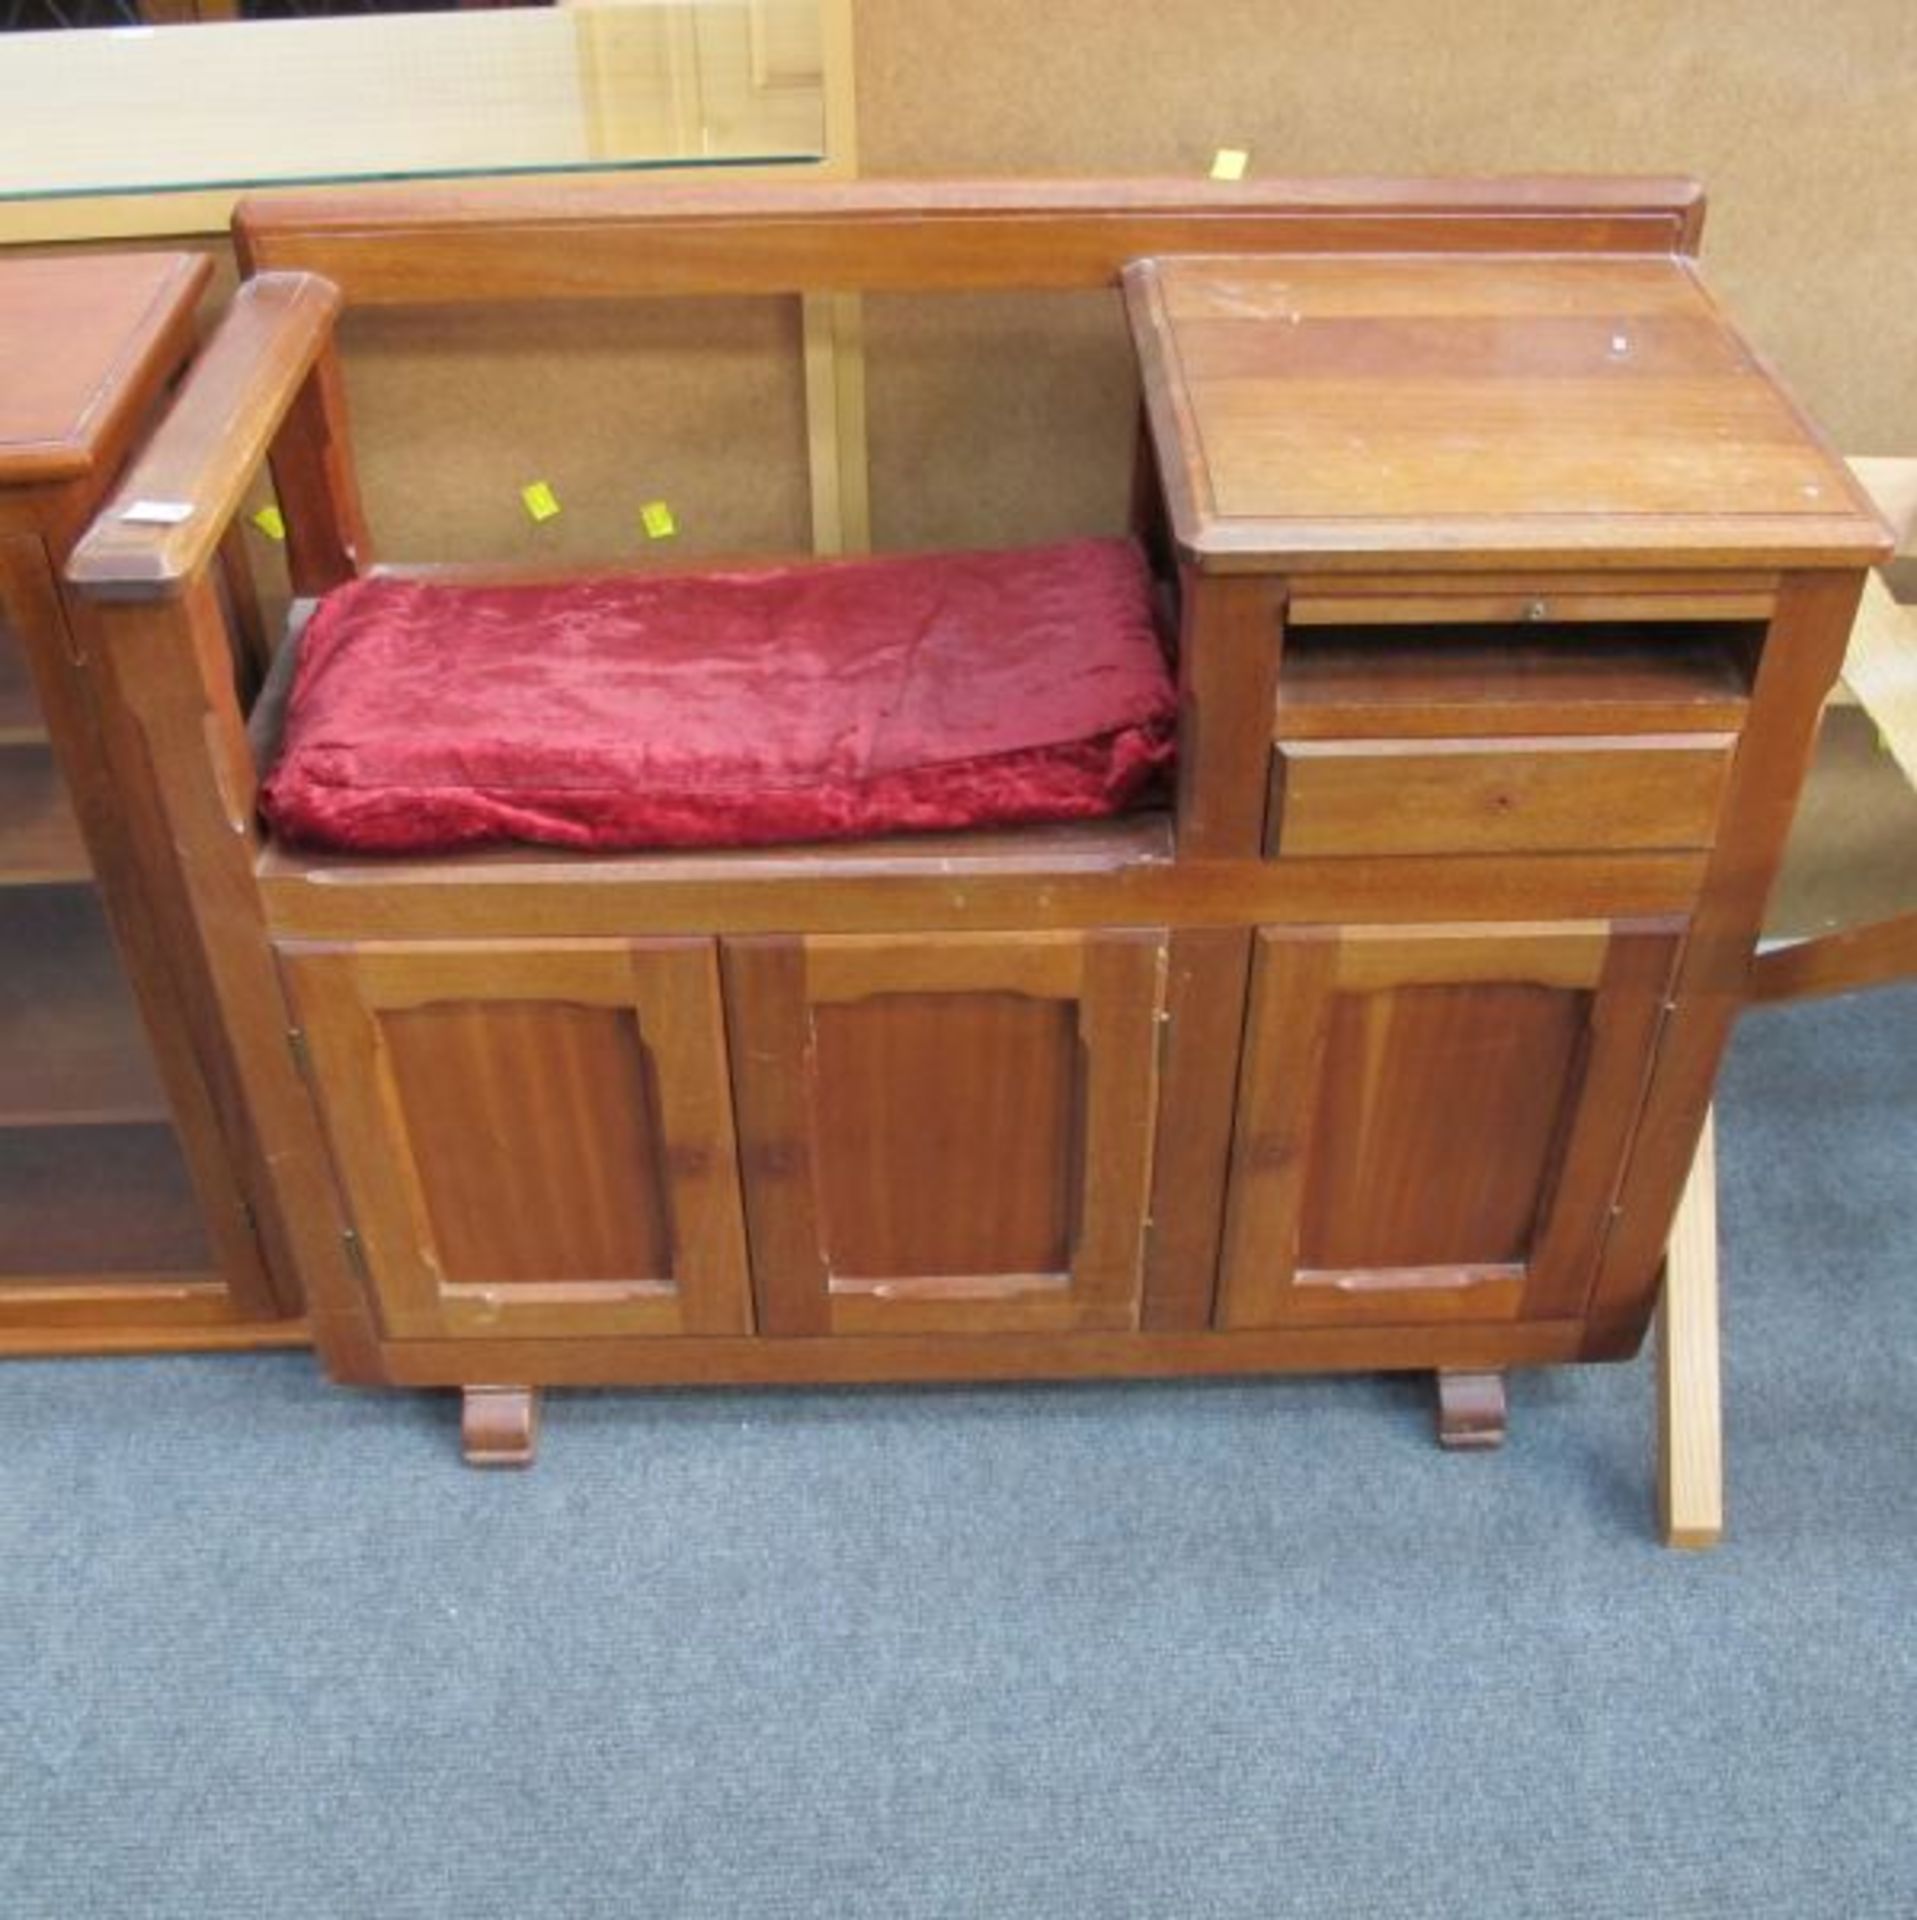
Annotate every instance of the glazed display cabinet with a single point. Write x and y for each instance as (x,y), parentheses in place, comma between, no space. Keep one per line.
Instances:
(124,1221)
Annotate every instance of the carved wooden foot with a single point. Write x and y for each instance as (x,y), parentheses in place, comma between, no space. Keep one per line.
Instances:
(1471,1410)
(499,1426)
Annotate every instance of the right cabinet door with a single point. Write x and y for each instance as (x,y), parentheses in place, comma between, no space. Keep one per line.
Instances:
(1432,1121)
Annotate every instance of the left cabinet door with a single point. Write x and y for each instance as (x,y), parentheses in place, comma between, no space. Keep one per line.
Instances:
(531,1141)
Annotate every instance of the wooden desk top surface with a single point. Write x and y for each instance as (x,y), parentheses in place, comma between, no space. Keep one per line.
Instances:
(83,338)
(1360,411)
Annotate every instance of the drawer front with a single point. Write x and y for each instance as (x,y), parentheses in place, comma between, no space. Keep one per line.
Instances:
(1643,793)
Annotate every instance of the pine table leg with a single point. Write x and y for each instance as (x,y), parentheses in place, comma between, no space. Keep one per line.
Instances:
(1690,1417)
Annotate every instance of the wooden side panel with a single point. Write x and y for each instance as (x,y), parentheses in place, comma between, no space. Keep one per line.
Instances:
(1432,1125)
(947,1133)
(318,484)
(1228,650)
(1801,658)
(533,1143)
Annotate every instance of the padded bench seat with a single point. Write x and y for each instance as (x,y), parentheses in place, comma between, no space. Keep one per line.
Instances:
(741,707)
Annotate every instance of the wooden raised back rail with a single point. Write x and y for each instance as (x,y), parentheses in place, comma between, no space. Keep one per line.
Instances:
(534,241)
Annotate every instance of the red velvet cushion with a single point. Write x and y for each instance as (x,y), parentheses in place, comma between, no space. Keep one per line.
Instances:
(728,708)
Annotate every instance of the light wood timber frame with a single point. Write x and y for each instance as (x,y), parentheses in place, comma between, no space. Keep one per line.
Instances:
(1880,669)
(996,1110)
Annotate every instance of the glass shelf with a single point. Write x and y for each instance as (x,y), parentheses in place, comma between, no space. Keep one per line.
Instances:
(225,105)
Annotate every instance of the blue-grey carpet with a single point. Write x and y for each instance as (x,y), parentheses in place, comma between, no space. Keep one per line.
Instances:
(267,1649)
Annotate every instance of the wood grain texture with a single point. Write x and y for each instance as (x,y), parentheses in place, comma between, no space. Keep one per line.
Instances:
(1490,681)
(1880,668)
(530,1141)
(990,1355)
(919,1094)
(539,896)
(1285,1035)
(1882,954)
(1690,1413)
(141,1315)
(217,434)
(1801,658)
(93,331)
(1229,644)
(499,1426)
(769,1035)
(518,240)
(317,481)
(172,729)
(1432,1123)
(1638,793)
(1462,413)
(1206,979)
(947,1133)
(1540,600)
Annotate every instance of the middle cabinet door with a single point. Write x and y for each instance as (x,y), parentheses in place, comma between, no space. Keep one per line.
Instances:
(533,1139)
(946,1133)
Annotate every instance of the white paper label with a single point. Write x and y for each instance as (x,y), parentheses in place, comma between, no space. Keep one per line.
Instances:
(158,513)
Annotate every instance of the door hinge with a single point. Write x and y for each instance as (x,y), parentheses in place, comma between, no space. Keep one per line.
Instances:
(296,1046)
(355,1252)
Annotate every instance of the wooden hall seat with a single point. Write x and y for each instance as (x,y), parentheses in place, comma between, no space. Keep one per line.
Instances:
(1387,1045)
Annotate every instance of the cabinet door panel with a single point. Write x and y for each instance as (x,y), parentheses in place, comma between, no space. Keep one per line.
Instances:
(533,1142)
(946,1133)
(1431,1124)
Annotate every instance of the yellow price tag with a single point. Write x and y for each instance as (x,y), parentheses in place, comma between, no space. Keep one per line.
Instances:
(1229,163)
(541,502)
(271,523)
(656,517)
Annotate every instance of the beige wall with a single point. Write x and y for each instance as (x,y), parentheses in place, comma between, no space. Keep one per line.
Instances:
(992,420)
(1801,120)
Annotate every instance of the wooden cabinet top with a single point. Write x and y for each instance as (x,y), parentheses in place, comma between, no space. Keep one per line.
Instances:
(1359,411)
(85,339)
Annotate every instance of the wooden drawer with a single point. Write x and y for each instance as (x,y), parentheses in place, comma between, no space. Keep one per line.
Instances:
(1634,793)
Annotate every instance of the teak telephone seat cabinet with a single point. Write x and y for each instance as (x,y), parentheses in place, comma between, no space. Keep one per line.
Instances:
(1507,586)
(125,1218)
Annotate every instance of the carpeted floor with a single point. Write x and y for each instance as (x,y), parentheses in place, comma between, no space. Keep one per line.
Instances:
(1244,1649)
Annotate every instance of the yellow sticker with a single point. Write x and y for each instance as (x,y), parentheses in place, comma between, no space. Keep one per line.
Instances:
(270,523)
(1229,163)
(541,502)
(656,517)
